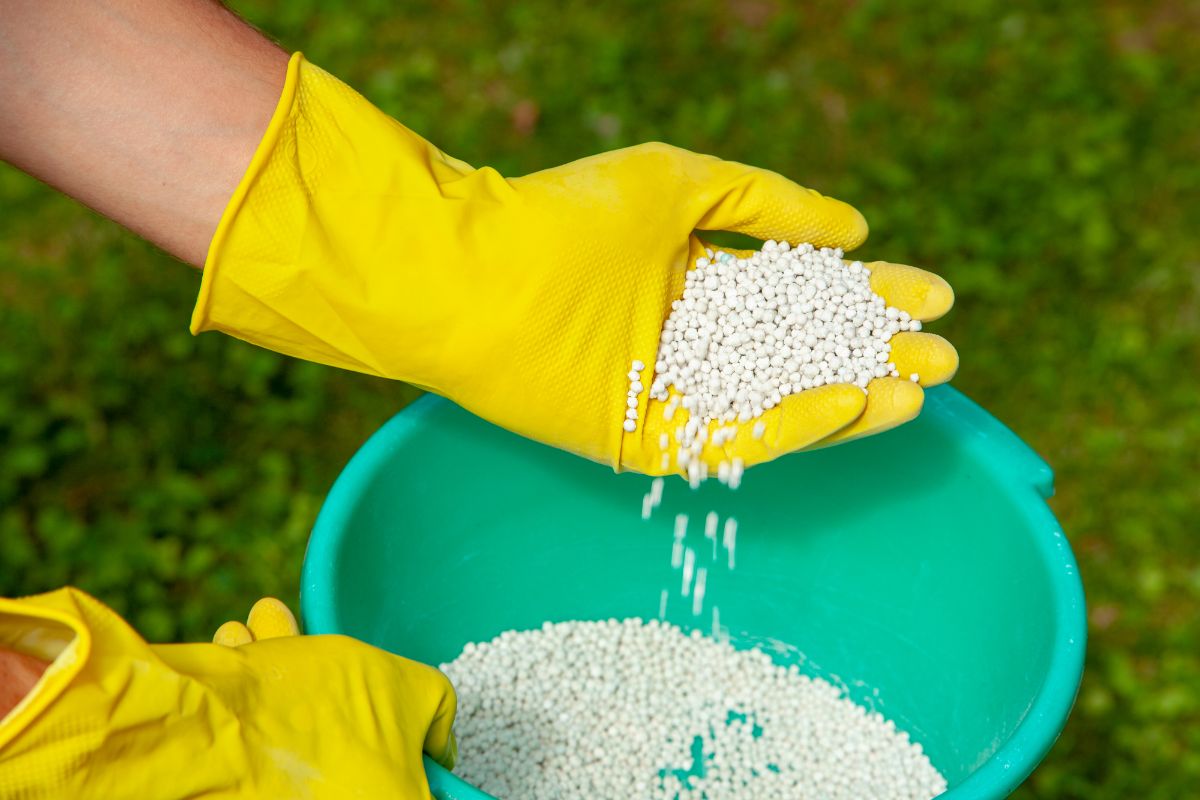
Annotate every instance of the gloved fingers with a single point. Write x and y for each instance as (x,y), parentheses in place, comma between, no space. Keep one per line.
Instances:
(924,295)
(270,619)
(799,421)
(930,357)
(233,634)
(890,402)
(766,205)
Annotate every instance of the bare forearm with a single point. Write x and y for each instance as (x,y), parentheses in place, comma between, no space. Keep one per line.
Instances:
(146,110)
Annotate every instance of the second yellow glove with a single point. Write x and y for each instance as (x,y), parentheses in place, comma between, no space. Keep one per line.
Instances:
(279,716)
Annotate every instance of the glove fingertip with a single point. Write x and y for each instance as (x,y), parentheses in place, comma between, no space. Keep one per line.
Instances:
(233,634)
(813,414)
(930,357)
(270,618)
(923,294)
(818,220)
(856,229)
(891,402)
(938,301)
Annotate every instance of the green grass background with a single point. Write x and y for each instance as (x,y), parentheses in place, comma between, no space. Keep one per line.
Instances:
(1042,156)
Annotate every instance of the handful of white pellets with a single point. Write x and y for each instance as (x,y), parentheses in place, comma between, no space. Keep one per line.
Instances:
(749,332)
(622,709)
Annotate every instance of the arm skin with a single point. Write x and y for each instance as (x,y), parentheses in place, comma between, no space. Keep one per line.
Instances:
(148,111)
(18,674)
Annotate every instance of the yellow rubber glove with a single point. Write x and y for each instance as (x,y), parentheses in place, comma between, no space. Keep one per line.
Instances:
(354,242)
(280,716)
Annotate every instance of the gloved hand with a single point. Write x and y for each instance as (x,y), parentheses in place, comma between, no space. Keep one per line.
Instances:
(279,716)
(354,242)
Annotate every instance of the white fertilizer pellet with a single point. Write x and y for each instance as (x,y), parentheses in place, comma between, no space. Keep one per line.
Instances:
(730,540)
(622,709)
(656,492)
(698,591)
(689,569)
(681,523)
(736,468)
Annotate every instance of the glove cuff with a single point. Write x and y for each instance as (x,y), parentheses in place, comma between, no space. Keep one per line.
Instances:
(308,258)
(204,315)
(50,627)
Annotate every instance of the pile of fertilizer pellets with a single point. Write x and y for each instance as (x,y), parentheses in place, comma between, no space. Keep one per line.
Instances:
(748,332)
(626,709)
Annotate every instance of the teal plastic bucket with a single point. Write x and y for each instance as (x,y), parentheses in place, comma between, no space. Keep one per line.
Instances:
(921,569)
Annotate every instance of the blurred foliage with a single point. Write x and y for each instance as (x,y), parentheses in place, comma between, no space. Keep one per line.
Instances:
(1043,157)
